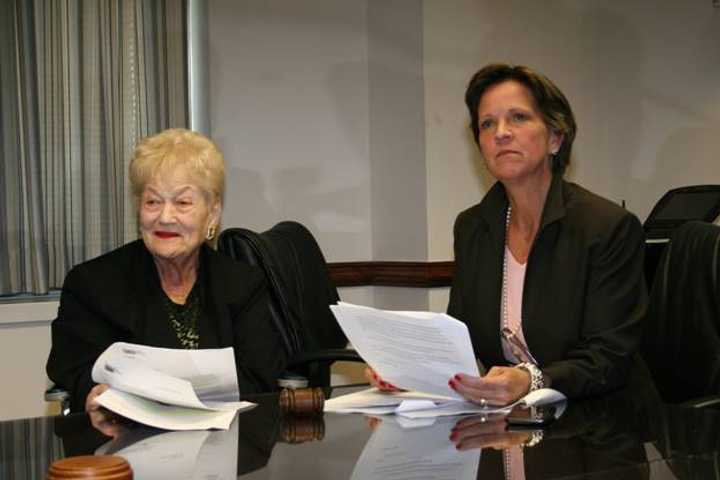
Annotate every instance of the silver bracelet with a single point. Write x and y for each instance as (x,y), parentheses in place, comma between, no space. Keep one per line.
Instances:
(534,439)
(536,376)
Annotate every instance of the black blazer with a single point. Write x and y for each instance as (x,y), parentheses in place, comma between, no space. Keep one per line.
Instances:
(584,295)
(118,297)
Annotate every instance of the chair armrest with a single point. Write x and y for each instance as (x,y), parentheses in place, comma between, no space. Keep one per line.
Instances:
(325,356)
(711,401)
(56,393)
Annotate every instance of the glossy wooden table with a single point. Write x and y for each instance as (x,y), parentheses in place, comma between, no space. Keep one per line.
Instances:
(627,434)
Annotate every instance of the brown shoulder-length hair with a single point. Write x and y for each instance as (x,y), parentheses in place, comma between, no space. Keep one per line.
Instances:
(549,100)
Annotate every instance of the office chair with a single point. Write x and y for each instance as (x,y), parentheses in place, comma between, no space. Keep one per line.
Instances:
(681,342)
(677,207)
(56,393)
(301,292)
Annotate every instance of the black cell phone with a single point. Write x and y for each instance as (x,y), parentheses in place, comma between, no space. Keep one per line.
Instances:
(531,417)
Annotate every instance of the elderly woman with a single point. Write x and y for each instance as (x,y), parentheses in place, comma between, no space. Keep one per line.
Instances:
(168,289)
(549,276)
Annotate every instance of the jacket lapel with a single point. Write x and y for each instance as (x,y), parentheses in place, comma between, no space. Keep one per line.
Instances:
(554,209)
(550,226)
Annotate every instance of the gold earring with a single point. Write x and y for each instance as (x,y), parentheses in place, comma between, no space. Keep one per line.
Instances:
(210,232)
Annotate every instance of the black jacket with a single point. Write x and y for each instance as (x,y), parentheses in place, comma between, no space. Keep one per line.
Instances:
(584,295)
(117,297)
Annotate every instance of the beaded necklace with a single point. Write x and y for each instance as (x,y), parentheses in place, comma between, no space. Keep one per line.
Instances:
(505,270)
(184,319)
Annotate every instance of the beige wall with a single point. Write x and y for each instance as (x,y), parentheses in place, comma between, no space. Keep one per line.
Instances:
(318,106)
(24,348)
(289,107)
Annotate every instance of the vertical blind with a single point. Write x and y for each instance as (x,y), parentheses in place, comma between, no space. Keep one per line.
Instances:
(81,81)
(28,448)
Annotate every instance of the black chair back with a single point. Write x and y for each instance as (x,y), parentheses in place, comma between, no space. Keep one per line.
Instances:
(681,343)
(300,287)
(675,208)
(681,205)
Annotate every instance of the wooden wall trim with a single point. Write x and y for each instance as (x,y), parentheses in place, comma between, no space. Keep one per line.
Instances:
(392,274)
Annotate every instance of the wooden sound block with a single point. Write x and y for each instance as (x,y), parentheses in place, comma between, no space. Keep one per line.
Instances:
(303,401)
(101,467)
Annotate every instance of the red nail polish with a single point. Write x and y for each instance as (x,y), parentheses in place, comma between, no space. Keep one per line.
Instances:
(457,376)
(452,384)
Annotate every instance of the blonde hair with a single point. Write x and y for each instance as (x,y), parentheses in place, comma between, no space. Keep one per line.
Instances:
(177,147)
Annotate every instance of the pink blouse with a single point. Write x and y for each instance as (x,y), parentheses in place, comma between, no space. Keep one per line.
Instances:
(515,282)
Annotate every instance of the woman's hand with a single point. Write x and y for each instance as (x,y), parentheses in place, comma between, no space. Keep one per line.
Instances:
(501,386)
(480,431)
(106,422)
(90,404)
(375,381)
(101,419)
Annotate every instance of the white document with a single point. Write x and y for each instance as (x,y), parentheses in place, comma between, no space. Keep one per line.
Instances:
(417,351)
(402,449)
(416,405)
(168,388)
(543,396)
(158,455)
(170,417)
(179,377)
(374,401)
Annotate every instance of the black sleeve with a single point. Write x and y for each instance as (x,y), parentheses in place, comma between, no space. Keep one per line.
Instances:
(615,306)
(79,336)
(455,304)
(259,355)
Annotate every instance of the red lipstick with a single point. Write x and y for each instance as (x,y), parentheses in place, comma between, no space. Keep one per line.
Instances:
(162,234)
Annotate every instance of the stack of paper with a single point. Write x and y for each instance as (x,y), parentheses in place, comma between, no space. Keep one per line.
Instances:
(418,352)
(168,388)
(418,405)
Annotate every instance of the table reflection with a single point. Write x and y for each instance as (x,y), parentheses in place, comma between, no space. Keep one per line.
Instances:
(158,454)
(629,434)
(596,438)
(601,438)
(403,448)
(155,453)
